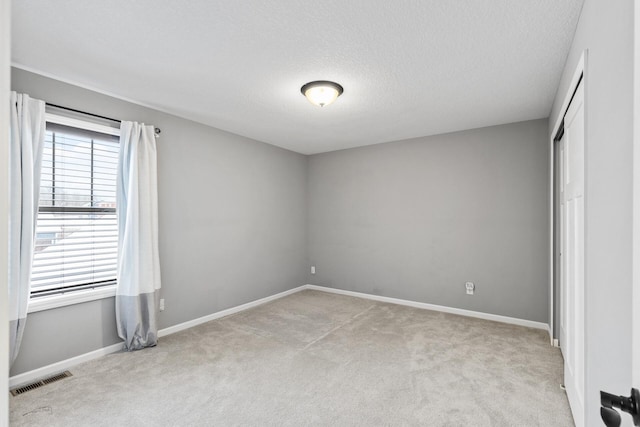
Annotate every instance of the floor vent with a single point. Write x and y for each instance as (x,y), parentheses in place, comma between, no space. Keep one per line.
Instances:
(40,383)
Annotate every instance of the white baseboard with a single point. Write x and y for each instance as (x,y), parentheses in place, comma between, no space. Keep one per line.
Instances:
(200,320)
(63,365)
(442,308)
(54,368)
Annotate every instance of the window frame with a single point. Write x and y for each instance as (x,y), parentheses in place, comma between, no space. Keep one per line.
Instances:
(75,296)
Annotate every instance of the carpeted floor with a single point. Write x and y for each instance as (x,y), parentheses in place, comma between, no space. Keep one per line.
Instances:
(315,358)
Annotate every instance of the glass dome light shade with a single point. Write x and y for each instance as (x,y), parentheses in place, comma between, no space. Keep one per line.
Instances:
(322,92)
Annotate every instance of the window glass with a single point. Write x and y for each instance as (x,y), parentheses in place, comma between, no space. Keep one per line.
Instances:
(77,231)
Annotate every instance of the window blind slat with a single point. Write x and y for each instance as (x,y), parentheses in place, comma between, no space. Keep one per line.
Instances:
(56,256)
(44,265)
(74,281)
(70,272)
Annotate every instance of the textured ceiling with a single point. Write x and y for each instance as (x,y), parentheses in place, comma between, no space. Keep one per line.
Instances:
(409,68)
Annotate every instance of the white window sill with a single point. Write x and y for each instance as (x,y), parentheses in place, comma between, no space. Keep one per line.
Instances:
(61,300)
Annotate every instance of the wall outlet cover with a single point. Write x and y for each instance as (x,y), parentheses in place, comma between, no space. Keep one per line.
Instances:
(470,287)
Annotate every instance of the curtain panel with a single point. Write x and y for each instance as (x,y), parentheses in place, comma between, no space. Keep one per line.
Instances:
(27,131)
(138,289)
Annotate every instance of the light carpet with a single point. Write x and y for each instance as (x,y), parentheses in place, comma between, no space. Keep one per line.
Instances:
(315,358)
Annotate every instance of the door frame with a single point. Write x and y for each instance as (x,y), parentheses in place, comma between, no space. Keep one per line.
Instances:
(578,73)
(5,72)
(558,239)
(635,326)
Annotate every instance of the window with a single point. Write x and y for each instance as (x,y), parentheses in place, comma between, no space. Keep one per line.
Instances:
(77,231)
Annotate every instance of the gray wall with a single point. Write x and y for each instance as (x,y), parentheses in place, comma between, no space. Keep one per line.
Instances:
(232,225)
(417,219)
(606,30)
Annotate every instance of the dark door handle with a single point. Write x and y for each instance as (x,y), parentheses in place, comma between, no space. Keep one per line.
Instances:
(630,405)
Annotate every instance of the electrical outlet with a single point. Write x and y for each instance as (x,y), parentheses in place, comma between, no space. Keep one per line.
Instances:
(161,304)
(470,288)
(313,269)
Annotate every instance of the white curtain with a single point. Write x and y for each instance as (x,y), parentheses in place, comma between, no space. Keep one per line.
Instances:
(138,289)
(27,131)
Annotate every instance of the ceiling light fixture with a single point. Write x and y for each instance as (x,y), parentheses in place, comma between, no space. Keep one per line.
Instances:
(322,92)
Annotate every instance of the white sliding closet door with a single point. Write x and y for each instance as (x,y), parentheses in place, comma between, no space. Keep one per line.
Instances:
(572,318)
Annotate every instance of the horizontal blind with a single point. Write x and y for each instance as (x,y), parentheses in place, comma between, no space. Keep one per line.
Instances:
(77,230)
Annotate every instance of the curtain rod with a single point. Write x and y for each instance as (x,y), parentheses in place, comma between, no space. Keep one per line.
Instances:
(83,112)
(157,130)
